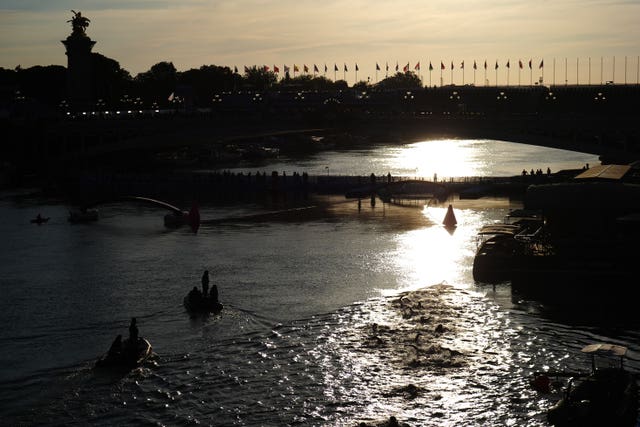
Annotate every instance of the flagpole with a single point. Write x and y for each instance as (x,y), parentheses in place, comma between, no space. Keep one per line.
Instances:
(625,70)
(530,72)
(613,78)
(496,73)
(566,79)
(554,71)
(577,68)
(601,68)
(462,73)
(589,82)
(485,72)
(519,72)
(451,72)
(475,67)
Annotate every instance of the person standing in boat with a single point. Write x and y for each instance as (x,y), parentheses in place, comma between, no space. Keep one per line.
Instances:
(133,332)
(214,293)
(205,283)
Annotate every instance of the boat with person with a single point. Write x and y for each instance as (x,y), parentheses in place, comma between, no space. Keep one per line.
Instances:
(40,220)
(203,305)
(127,356)
(606,396)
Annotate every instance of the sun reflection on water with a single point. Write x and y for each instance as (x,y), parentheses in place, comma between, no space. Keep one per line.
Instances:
(438,158)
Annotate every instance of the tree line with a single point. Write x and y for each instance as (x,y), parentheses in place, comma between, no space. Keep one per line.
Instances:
(114,87)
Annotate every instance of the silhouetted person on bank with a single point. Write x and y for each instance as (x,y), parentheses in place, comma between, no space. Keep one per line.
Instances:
(133,333)
(205,283)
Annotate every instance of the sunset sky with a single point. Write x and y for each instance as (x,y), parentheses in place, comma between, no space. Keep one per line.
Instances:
(191,33)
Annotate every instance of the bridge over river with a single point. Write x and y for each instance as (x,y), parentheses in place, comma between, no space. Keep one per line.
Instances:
(59,147)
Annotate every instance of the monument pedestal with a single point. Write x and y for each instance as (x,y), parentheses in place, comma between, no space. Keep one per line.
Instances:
(79,73)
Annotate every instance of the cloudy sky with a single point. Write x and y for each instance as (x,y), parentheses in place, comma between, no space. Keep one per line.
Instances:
(191,33)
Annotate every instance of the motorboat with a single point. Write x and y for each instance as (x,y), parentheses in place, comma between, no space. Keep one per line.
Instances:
(504,247)
(202,305)
(606,396)
(128,356)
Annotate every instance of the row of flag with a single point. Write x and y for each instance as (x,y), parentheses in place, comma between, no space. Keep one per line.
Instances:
(405,69)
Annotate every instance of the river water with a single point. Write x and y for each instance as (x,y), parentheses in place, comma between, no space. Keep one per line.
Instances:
(336,316)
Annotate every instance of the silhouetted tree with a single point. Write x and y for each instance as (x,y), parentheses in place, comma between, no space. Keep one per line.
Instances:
(257,78)
(408,80)
(209,80)
(47,85)
(110,81)
(156,84)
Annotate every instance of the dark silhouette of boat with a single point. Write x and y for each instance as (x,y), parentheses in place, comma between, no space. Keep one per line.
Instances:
(202,305)
(607,396)
(128,357)
(40,220)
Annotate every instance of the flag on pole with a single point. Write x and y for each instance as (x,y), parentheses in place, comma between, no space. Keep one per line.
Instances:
(397,68)
(417,67)
(520,63)
(377,67)
(315,68)
(485,64)
(235,69)
(496,65)
(357,69)
(541,64)
(508,64)
(462,65)
(430,66)
(306,69)
(406,68)
(276,69)
(530,64)
(387,66)
(286,69)
(442,67)
(325,68)
(452,65)
(345,67)
(265,68)
(246,70)
(295,68)
(475,66)
(335,67)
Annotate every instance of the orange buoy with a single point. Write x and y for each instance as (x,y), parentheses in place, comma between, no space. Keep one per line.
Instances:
(450,218)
